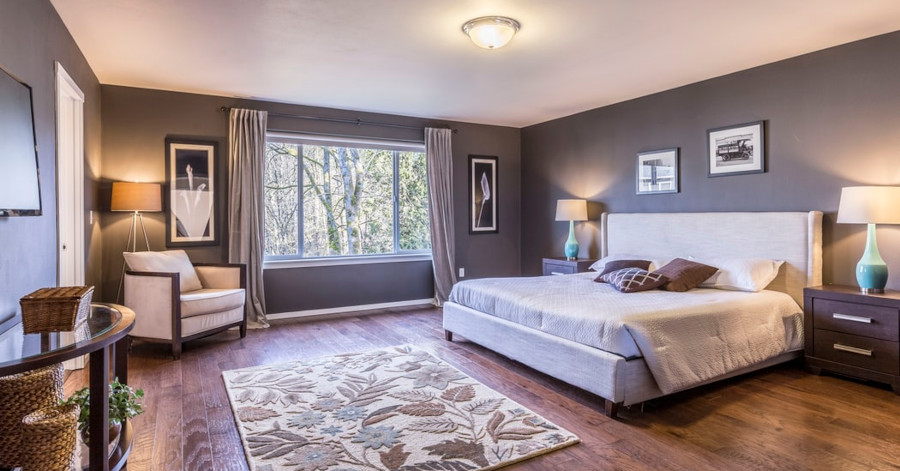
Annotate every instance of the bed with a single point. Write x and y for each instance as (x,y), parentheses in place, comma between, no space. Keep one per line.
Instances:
(618,364)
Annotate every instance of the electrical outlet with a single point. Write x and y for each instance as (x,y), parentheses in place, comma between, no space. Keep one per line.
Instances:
(462,272)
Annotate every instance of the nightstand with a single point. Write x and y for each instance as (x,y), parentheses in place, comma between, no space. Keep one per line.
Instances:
(851,333)
(561,266)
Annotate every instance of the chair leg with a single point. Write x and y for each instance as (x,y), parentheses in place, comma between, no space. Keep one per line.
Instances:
(176,349)
(244,328)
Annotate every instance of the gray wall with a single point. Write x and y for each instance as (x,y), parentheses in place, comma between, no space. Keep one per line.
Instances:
(832,120)
(137,121)
(32,38)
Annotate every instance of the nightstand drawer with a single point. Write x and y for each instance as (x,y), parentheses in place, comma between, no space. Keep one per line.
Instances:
(558,269)
(863,352)
(853,318)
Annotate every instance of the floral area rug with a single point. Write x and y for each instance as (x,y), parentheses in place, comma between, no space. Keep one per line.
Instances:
(396,409)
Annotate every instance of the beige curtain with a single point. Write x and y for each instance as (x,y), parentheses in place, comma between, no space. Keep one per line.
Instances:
(247,150)
(439,158)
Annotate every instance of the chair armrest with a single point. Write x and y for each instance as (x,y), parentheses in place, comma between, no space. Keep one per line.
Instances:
(155,297)
(222,275)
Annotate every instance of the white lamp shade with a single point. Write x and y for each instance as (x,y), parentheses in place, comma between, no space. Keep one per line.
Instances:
(869,205)
(571,210)
(127,196)
(491,32)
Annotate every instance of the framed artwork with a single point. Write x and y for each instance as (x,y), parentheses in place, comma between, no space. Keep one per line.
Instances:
(736,150)
(657,171)
(483,194)
(191,178)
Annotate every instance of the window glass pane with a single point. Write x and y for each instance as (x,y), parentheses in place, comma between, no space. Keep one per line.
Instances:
(347,201)
(281,199)
(413,201)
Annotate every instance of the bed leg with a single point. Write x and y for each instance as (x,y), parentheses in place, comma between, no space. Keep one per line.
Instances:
(611,409)
(448,336)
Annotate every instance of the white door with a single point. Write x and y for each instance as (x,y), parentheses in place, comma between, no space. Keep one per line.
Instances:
(70,178)
(70,187)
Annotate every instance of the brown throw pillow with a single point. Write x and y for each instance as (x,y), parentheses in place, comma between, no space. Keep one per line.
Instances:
(632,280)
(685,275)
(620,264)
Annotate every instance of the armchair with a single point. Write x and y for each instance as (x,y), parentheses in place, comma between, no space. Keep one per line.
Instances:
(177,301)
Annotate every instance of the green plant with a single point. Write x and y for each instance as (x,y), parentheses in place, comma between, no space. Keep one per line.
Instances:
(124,403)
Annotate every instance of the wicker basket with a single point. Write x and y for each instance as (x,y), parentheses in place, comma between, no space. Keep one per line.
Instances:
(56,309)
(20,395)
(49,438)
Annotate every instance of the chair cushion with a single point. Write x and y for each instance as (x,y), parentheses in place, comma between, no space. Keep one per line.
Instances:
(209,301)
(168,261)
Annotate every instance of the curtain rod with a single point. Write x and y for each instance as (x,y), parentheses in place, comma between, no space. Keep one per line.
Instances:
(358,122)
(347,136)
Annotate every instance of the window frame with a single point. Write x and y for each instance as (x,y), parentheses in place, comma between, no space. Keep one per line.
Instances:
(298,260)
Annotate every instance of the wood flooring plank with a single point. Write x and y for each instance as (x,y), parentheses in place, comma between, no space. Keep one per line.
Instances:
(195,433)
(778,418)
(225,442)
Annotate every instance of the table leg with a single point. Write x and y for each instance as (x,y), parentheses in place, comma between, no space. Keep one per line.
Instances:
(120,359)
(99,424)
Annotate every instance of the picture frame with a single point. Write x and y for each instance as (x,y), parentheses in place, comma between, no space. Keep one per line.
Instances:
(736,150)
(657,172)
(483,195)
(192,215)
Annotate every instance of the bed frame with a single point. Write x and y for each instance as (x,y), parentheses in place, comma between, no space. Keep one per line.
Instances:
(795,237)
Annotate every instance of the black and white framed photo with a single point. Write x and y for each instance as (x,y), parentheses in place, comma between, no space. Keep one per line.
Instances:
(735,150)
(657,171)
(483,214)
(191,178)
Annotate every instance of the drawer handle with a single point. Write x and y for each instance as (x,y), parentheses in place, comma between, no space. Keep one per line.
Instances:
(556,273)
(849,349)
(848,317)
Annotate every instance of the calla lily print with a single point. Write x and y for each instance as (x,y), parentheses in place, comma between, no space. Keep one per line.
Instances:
(482,194)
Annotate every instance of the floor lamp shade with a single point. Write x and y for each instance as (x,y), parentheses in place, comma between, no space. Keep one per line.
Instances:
(144,197)
(870,205)
(571,210)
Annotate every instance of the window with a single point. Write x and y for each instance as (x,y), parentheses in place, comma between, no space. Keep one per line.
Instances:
(331,197)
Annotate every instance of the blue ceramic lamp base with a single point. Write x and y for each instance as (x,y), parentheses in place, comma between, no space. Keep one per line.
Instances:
(871,271)
(572,243)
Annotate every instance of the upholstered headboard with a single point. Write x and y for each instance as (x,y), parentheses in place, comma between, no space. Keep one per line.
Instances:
(795,237)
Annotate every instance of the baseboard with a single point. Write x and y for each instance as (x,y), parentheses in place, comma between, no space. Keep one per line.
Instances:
(343,309)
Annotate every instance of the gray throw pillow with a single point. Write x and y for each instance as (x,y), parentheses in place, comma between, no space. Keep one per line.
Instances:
(632,280)
(620,264)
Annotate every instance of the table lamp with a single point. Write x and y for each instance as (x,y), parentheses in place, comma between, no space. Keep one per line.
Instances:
(571,210)
(870,205)
(138,198)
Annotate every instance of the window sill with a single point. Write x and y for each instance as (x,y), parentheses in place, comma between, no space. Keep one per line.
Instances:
(335,261)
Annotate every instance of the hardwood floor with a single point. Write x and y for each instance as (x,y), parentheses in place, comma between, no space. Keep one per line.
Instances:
(780,418)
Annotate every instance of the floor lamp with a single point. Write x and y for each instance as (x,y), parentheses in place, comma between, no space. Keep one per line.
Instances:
(137,198)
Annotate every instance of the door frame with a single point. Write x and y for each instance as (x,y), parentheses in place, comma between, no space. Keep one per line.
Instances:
(69,179)
(69,188)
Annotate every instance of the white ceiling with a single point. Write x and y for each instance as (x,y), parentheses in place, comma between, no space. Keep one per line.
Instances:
(409,57)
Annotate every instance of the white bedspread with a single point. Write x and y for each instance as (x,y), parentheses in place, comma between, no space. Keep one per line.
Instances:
(685,338)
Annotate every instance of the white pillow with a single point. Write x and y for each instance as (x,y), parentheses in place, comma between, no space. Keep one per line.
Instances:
(169,261)
(741,274)
(655,262)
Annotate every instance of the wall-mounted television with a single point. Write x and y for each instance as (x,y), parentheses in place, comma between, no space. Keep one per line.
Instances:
(20,189)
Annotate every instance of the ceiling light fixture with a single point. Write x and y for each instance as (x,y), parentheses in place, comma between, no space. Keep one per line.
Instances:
(491,32)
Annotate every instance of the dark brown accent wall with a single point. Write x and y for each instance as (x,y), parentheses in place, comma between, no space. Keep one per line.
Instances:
(32,39)
(832,120)
(137,121)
